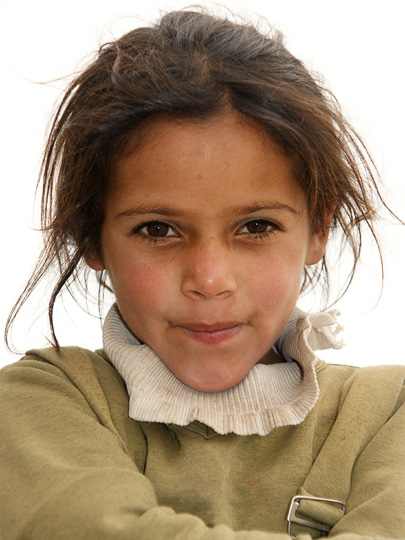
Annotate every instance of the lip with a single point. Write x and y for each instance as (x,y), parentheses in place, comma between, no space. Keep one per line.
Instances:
(211,333)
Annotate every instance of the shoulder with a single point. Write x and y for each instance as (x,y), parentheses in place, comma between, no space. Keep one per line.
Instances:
(388,379)
(65,357)
(69,383)
(70,361)
(69,372)
(372,394)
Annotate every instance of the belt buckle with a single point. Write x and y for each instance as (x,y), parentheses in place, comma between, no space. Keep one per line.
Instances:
(293,518)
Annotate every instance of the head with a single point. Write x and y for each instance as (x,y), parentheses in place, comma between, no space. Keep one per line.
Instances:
(195,72)
(205,238)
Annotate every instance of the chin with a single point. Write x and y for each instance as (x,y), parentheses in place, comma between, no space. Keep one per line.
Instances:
(212,383)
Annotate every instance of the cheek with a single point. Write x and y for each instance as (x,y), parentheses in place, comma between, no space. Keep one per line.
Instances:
(276,285)
(140,286)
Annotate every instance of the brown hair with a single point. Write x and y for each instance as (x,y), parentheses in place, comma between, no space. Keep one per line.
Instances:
(193,65)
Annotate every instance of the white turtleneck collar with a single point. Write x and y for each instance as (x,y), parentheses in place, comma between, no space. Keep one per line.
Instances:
(270,396)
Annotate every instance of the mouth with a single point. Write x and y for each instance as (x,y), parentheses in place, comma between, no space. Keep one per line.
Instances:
(211,333)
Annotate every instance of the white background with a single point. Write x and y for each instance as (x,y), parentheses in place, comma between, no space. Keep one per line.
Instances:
(357,45)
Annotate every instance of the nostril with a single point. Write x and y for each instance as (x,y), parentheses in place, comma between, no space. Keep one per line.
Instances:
(208,295)
(196,294)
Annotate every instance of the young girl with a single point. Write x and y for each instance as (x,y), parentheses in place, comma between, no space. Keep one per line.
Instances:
(198,167)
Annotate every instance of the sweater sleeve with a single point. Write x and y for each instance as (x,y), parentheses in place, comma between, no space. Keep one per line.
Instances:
(65,474)
(375,506)
(362,462)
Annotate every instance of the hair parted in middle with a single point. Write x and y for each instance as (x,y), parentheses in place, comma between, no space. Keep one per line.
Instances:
(193,66)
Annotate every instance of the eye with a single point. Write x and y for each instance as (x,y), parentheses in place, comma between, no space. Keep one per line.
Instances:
(155,229)
(258,228)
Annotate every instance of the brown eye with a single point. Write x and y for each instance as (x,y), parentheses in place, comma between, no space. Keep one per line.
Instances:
(257,226)
(156,229)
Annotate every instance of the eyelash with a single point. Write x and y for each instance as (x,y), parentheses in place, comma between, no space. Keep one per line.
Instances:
(270,226)
(150,238)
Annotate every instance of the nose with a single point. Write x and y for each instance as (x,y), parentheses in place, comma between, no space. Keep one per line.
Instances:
(208,271)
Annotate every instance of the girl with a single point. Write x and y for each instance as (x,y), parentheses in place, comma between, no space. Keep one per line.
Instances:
(197,167)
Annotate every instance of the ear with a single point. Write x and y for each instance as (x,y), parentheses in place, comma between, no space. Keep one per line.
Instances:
(318,241)
(94,261)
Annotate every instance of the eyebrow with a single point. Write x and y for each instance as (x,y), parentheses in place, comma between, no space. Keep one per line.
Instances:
(146,209)
(259,206)
(238,210)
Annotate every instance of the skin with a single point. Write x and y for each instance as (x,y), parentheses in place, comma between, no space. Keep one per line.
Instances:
(205,239)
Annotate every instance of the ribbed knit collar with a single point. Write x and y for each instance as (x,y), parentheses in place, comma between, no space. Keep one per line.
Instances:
(270,396)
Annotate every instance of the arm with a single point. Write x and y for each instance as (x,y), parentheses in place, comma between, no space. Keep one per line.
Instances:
(362,461)
(376,502)
(66,474)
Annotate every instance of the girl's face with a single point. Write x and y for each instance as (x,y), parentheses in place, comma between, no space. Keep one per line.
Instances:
(205,239)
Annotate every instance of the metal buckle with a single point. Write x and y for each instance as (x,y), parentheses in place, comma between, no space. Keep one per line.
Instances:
(294,505)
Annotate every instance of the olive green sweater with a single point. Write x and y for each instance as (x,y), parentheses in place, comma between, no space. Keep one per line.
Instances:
(74,465)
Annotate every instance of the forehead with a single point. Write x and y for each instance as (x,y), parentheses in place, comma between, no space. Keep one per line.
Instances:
(217,161)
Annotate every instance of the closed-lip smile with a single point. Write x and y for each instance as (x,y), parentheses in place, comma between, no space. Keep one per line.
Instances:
(211,333)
